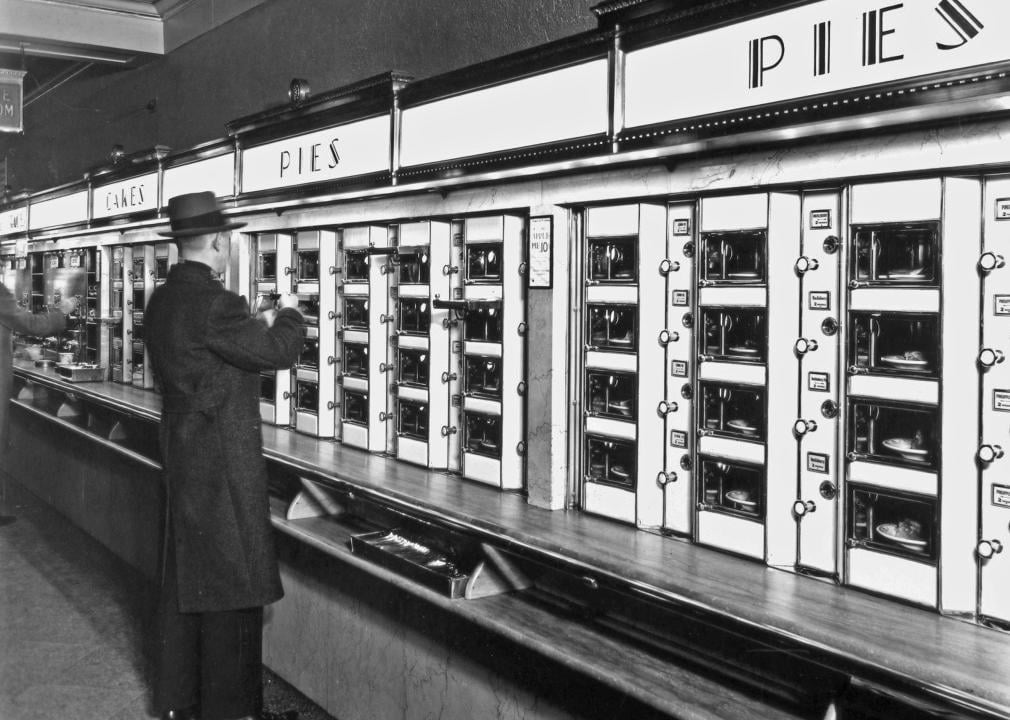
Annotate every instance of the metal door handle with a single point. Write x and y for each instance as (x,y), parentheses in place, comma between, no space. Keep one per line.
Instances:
(987,548)
(665,478)
(802,507)
(802,427)
(990,453)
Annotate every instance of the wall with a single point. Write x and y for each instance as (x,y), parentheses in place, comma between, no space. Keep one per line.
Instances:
(245,65)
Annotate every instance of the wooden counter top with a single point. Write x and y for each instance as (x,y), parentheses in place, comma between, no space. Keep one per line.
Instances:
(914,650)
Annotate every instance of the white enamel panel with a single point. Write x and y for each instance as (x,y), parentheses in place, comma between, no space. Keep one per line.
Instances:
(356,383)
(482,292)
(732,296)
(732,372)
(893,388)
(482,405)
(732,533)
(412,451)
(912,581)
(482,348)
(406,392)
(482,469)
(413,342)
(618,294)
(902,201)
(216,174)
(306,422)
(895,299)
(354,435)
(611,502)
(72,208)
(356,336)
(412,291)
(610,428)
(732,449)
(414,234)
(737,212)
(895,478)
(612,221)
(620,362)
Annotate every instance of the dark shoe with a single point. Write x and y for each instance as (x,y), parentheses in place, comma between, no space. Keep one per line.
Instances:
(182,714)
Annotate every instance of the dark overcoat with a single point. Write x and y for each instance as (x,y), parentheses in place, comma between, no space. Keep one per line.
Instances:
(207,351)
(14,318)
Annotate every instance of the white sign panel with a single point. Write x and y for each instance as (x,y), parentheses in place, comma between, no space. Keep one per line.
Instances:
(216,174)
(14,221)
(823,47)
(559,105)
(541,251)
(126,197)
(63,210)
(343,151)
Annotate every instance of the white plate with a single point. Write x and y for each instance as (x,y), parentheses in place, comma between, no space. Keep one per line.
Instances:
(741,497)
(619,471)
(901,273)
(898,361)
(889,531)
(743,426)
(741,350)
(743,275)
(903,446)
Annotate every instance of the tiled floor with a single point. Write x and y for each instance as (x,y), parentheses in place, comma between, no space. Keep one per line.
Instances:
(72,621)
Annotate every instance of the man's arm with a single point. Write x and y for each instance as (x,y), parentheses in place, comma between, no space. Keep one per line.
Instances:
(22,321)
(242,340)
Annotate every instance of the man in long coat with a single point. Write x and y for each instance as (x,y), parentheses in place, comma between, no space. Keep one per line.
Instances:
(220,564)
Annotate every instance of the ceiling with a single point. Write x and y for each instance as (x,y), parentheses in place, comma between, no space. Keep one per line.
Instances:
(54,41)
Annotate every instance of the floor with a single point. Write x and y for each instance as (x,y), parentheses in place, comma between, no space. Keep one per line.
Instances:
(72,619)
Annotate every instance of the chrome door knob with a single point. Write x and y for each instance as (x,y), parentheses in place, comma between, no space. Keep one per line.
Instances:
(805,264)
(803,346)
(384,416)
(666,407)
(386,367)
(450,269)
(448,430)
(802,507)
(666,337)
(990,453)
(447,376)
(802,427)
(665,478)
(668,266)
(988,357)
(987,548)
(990,261)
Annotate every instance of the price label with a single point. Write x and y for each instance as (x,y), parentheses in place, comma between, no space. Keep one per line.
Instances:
(681,227)
(1003,208)
(678,439)
(678,368)
(820,300)
(1001,496)
(680,298)
(1001,305)
(818,463)
(820,219)
(1001,400)
(819,382)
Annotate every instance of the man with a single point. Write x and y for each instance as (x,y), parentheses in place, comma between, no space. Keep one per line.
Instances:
(17,319)
(220,566)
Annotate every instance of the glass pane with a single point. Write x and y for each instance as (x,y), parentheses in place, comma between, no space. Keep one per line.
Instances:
(308,265)
(356,266)
(484,262)
(307,396)
(414,316)
(734,256)
(415,267)
(413,420)
(413,367)
(355,406)
(613,260)
(613,327)
(355,360)
(896,343)
(733,410)
(483,434)
(612,394)
(356,313)
(739,335)
(484,324)
(483,376)
(898,435)
(610,461)
(733,488)
(891,522)
(896,253)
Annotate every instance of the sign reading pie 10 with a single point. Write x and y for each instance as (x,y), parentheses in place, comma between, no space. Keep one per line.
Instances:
(822,47)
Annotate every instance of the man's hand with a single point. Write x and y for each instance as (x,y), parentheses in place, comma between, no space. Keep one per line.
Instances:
(288,300)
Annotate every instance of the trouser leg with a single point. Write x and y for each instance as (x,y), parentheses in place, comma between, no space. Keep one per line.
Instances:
(232,664)
(177,648)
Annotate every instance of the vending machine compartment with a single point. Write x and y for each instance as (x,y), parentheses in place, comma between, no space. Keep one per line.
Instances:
(482,434)
(734,411)
(612,395)
(412,367)
(483,376)
(309,355)
(731,258)
(905,435)
(891,343)
(306,263)
(611,462)
(484,263)
(355,315)
(268,386)
(613,260)
(354,409)
(732,488)
(483,322)
(612,328)
(306,395)
(896,254)
(355,360)
(356,264)
(308,306)
(413,265)
(412,419)
(734,334)
(413,316)
(892,522)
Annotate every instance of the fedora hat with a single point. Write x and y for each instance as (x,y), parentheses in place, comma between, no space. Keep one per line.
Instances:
(196,214)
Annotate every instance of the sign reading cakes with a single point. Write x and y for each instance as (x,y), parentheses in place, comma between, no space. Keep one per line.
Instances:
(819,48)
(344,151)
(126,197)
(11,100)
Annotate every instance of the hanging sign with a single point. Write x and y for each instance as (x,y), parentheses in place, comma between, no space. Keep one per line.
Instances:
(216,174)
(819,48)
(63,210)
(126,197)
(344,151)
(14,221)
(547,108)
(11,100)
